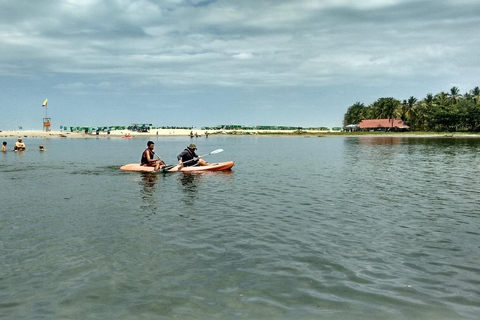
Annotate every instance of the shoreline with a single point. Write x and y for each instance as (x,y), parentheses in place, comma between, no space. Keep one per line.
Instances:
(186,133)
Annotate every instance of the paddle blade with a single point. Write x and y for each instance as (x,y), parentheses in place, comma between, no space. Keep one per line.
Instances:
(166,168)
(216,151)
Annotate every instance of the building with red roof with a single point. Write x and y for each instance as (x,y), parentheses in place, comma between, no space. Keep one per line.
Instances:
(383,125)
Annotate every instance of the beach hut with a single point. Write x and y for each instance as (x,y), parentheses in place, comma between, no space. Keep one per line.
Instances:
(383,125)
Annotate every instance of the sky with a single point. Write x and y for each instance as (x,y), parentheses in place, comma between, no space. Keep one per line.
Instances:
(215,62)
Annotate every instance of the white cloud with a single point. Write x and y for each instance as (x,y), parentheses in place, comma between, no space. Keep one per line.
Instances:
(243,55)
(141,37)
(89,46)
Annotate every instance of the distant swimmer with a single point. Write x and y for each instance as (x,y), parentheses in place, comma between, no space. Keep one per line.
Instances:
(41,148)
(19,145)
(4,146)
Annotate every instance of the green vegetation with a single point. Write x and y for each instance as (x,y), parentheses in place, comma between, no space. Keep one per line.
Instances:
(441,112)
(276,128)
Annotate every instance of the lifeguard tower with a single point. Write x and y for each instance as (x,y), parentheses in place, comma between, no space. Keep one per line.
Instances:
(47,124)
(46,121)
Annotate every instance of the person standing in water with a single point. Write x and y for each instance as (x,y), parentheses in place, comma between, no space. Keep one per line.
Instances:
(19,145)
(4,146)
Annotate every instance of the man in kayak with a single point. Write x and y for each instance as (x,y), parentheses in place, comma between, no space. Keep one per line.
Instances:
(148,157)
(187,157)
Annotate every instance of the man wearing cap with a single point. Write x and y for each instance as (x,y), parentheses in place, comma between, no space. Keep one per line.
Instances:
(187,157)
(19,145)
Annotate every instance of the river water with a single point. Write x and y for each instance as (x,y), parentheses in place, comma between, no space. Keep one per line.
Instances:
(301,228)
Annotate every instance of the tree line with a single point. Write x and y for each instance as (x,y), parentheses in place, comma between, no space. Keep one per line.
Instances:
(445,111)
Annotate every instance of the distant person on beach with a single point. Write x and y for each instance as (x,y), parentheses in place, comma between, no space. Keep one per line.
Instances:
(148,157)
(19,145)
(187,157)
(4,146)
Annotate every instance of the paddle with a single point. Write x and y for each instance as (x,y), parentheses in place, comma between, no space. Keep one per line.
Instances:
(203,155)
(159,159)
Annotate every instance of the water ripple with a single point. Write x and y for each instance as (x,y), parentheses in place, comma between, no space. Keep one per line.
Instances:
(362,228)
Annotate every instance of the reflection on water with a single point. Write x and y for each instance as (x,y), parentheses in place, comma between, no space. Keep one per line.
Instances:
(149,203)
(376,141)
(196,190)
(187,180)
(411,172)
(368,147)
(190,187)
(337,228)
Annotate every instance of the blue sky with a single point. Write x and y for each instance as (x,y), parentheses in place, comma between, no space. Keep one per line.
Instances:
(207,62)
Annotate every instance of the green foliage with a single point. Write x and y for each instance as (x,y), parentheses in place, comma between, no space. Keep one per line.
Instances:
(444,111)
(355,114)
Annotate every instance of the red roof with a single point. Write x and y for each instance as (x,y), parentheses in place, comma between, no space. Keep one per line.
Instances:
(382,123)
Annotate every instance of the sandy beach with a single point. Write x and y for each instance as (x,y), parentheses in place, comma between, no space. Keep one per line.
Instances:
(186,132)
(135,134)
(113,133)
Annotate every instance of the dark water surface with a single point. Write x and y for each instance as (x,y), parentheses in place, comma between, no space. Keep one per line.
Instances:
(302,228)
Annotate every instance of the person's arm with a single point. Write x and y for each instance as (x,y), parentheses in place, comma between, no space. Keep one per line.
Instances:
(179,158)
(158,158)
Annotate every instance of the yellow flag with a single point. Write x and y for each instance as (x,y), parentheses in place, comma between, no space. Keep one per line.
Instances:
(45,103)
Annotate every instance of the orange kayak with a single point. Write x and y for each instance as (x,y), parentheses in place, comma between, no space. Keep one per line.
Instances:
(219,166)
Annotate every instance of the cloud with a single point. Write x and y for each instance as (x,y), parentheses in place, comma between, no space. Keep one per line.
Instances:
(113,46)
(193,42)
(80,87)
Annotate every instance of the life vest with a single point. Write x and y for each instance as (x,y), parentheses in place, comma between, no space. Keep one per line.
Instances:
(144,160)
(188,155)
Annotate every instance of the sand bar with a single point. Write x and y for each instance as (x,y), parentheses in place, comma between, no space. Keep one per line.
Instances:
(135,134)
(113,133)
(186,132)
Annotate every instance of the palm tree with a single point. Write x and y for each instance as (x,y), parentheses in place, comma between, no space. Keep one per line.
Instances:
(355,114)
(476,95)
(441,98)
(468,96)
(387,107)
(411,101)
(403,110)
(429,99)
(455,94)
(425,110)
(407,106)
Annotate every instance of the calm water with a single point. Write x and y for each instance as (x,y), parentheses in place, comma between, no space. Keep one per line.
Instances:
(302,228)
